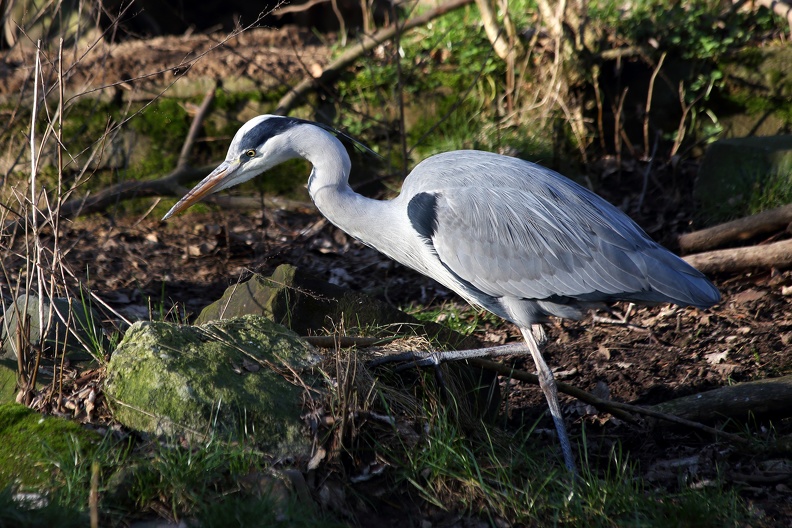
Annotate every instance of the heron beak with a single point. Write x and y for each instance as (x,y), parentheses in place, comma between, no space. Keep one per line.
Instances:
(207,186)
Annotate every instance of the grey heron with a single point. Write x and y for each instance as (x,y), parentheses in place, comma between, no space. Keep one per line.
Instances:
(512,237)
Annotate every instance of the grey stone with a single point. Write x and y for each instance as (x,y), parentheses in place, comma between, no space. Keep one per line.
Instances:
(84,322)
(232,378)
(309,305)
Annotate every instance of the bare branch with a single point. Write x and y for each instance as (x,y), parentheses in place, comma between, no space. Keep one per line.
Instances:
(617,409)
(766,398)
(779,7)
(366,44)
(195,127)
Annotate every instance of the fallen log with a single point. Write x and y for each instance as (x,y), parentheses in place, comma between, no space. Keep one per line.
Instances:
(775,255)
(769,398)
(736,230)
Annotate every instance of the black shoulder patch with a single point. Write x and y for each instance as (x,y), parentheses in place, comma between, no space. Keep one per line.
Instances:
(422,212)
(267,129)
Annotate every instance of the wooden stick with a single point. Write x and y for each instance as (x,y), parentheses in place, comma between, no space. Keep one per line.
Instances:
(776,255)
(506,370)
(736,230)
(767,397)
(195,126)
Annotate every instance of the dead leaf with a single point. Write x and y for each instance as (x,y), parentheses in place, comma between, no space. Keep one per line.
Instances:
(603,353)
(749,295)
(317,458)
(716,357)
(726,369)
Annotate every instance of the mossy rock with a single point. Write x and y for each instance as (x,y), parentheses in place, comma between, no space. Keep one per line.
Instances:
(218,378)
(309,305)
(31,444)
(8,379)
(756,99)
(766,70)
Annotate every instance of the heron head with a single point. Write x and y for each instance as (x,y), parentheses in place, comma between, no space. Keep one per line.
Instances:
(261,143)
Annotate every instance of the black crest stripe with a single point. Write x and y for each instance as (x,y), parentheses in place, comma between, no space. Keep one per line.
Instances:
(267,129)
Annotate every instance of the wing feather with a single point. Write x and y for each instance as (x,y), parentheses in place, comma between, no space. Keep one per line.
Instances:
(512,228)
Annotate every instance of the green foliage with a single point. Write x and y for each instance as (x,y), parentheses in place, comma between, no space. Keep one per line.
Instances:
(183,477)
(449,59)
(695,30)
(772,190)
(240,511)
(461,318)
(497,476)
(199,480)
(97,345)
(19,513)
(73,462)
(165,123)
(85,123)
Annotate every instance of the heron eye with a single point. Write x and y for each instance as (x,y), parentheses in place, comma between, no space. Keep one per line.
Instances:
(250,153)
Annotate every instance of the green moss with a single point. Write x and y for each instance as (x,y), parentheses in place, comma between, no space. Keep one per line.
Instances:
(165,122)
(177,379)
(8,378)
(30,442)
(741,176)
(773,190)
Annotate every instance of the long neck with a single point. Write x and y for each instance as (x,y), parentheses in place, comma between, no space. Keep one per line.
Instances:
(329,187)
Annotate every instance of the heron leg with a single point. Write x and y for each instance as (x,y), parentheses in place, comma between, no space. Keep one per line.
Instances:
(548,385)
(534,338)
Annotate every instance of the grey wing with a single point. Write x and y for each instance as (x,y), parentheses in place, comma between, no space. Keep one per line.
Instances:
(556,241)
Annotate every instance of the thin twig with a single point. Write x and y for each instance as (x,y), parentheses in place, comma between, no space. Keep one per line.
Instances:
(647,171)
(195,126)
(280,11)
(506,370)
(649,94)
(617,409)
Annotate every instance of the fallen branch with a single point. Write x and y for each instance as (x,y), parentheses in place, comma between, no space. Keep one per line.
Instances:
(775,255)
(284,9)
(367,43)
(617,409)
(736,230)
(169,185)
(764,398)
